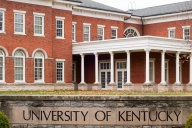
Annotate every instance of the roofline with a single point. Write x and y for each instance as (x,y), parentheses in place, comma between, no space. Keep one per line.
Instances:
(66,2)
(102,10)
(74,1)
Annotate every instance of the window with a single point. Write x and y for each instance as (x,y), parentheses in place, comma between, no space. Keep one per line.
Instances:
(19,22)
(186,32)
(39,24)
(19,64)
(171,32)
(166,71)
(114,32)
(60,70)
(74,72)
(74,31)
(60,27)
(2,20)
(131,32)
(100,31)
(151,71)
(39,67)
(2,69)
(86,31)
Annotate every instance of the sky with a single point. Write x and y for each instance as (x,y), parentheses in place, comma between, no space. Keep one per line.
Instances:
(125,4)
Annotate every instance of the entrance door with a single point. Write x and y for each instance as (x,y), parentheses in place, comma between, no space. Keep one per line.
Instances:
(121,73)
(105,74)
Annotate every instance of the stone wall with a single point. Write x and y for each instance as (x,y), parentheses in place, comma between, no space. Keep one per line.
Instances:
(183,103)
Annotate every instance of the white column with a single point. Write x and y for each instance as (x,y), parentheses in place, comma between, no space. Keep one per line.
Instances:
(147,82)
(177,69)
(128,68)
(163,68)
(96,69)
(190,70)
(112,68)
(82,69)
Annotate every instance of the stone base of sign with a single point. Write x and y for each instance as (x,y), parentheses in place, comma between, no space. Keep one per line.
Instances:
(36,87)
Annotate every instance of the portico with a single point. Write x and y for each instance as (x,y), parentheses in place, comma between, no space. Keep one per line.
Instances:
(116,74)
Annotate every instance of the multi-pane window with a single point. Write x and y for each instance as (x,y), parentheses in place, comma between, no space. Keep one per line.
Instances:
(60,71)
(19,22)
(60,27)
(166,71)
(74,31)
(171,32)
(1,66)
(39,67)
(86,32)
(186,32)
(131,32)
(19,63)
(113,33)
(39,24)
(74,72)
(151,71)
(100,31)
(2,20)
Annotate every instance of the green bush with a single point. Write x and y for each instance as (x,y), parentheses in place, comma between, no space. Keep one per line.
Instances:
(4,122)
(189,122)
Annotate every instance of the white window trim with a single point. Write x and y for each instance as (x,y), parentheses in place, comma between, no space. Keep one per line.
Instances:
(116,61)
(63,71)
(3,81)
(63,29)
(100,70)
(153,61)
(43,23)
(88,25)
(20,81)
(171,29)
(74,23)
(43,68)
(186,27)
(3,11)
(114,28)
(20,13)
(103,27)
(167,61)
(75,79)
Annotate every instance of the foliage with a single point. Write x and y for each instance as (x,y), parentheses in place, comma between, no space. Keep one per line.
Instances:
(4,122)
(99,92)
(189,122)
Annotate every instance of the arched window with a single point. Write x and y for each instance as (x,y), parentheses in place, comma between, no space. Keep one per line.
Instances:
(2,69)
(19,64)
(131,32)
(39,67)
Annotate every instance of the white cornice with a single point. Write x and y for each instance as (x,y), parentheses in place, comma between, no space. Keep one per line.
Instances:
(135,43)
(81,11)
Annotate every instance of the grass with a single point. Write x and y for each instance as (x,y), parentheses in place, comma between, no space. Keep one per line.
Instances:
(59,92)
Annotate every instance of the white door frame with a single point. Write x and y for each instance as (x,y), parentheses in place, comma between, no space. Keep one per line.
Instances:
(122,70)
(104,70)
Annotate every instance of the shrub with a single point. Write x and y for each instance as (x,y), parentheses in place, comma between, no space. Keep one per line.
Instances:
(4,122)
(189,122)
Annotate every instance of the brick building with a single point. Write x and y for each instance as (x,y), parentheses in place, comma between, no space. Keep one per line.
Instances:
(56,44)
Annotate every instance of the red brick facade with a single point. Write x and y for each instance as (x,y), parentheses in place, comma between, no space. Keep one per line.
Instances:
(62,48)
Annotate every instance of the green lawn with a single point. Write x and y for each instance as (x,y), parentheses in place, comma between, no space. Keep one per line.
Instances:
(90,93)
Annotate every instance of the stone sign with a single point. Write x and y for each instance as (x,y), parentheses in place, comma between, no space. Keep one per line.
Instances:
(96,116)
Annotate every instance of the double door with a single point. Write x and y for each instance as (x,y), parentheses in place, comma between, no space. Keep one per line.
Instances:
(105,74)
(121,73)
